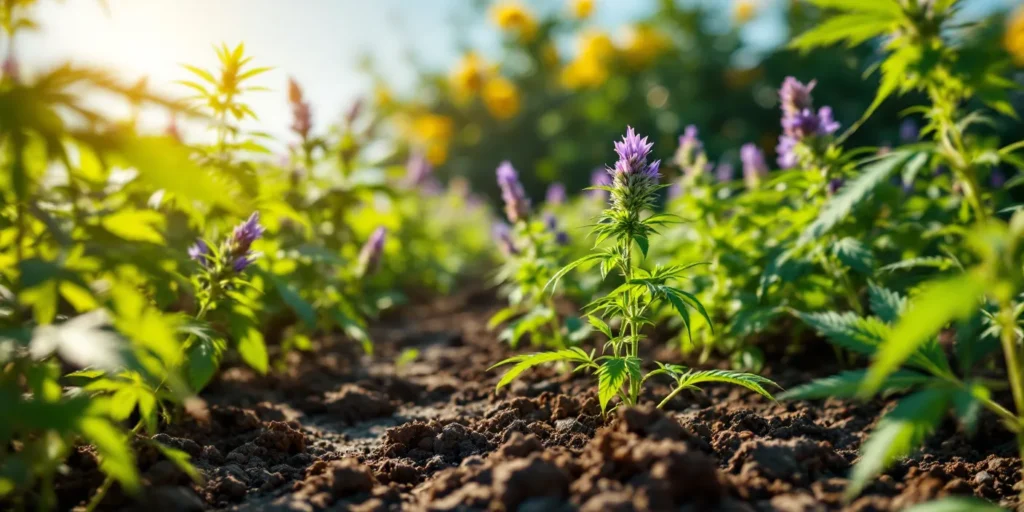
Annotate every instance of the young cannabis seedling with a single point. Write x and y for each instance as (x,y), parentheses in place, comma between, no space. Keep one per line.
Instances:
(627,224)
(924,371)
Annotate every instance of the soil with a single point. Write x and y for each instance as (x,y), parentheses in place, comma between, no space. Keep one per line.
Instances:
(335,429)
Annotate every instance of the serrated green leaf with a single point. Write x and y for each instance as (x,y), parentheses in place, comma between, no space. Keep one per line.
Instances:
(847,384)
(938,304)
(600,325)
(854,254)
(854,192)
(612,375)
(747,380)
(851,29)
(886,304)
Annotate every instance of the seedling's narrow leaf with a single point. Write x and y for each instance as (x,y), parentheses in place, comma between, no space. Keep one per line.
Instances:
(116,457)
(553,282)
(747,380)
(612,375)
(525,362)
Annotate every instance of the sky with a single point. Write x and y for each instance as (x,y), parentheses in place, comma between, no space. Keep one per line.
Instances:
(318,42)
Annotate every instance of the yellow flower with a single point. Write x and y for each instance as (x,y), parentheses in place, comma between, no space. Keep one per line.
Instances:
(590,68)
(432,127)
(584,72)
(745,11)
(1014,38)
(512,17)
(643,44)
(501,98)
(469,75)
(581,9)
(595,44)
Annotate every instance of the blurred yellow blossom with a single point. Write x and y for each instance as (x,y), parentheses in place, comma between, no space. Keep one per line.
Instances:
(433,132)
(581,9)
(584,72)
(590,67)
(511,16)
(469,76)
(1014,38)
(501,97)
(744,12)
(642,44)
(596,44)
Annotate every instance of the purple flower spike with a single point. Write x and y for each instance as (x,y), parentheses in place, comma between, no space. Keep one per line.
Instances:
(795,96)
(834,185)
(242,262)
(724,172)
(517,205)
(555,194)
(200,252)
(418,169)
(245,234)
(754,166)
(689,140)
(600,178)
(807,124)
(632,151)
(369,255)
(786,151)
(503,235)
(551,224)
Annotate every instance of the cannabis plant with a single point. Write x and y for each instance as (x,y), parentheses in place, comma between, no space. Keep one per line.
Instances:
(531,248)
(628,226)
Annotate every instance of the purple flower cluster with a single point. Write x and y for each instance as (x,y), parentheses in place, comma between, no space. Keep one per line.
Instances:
(690,155)
(723,172)
(517,205)
(551,224)
(754,165)
(503,235)
(633,151)
(799,121)
(600,178)
(369,255)
(418,170)
(302,116)
(236,251)
(555,195)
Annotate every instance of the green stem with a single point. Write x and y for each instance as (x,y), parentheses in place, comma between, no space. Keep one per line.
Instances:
(670,396)
(1013,369)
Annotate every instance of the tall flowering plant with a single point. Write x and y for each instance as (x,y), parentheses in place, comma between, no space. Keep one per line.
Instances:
(623,232)
(531,245)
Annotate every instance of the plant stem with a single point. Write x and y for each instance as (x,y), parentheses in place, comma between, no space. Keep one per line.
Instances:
(1013,369)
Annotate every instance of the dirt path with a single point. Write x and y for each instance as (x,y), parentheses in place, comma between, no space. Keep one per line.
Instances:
(337,430)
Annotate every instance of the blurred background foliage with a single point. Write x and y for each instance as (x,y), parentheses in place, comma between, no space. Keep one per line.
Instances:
(562,85)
